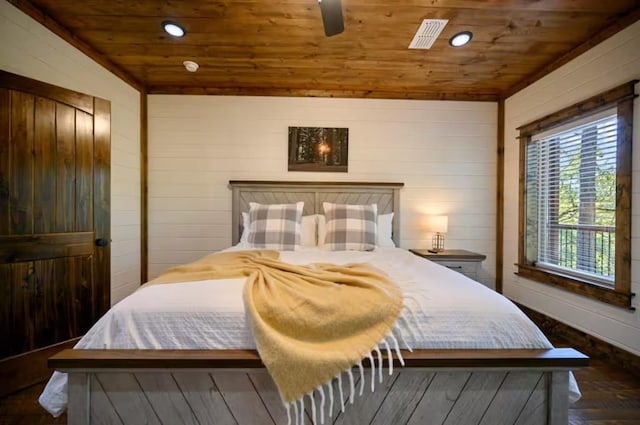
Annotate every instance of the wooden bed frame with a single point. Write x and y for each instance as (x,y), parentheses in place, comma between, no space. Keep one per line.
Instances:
(519,387)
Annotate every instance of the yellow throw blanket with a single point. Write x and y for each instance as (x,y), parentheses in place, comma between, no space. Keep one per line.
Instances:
(310,323)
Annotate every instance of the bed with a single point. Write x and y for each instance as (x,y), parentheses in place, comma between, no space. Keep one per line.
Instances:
(472,362)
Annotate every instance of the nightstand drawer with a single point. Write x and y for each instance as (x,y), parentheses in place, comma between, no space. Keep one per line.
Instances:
(467,268)
(459,260)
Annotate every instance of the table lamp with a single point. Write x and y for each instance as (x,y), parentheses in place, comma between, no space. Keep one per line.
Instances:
(438,224)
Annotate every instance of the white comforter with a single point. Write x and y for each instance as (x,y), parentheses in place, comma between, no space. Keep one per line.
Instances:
(452,311)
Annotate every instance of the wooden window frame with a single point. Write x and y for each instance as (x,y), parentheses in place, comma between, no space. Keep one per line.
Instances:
(621,98)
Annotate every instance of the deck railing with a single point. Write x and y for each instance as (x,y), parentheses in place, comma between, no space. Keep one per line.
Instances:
(584,248)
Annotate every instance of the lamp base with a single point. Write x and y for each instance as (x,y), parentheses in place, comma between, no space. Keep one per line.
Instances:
(437,243)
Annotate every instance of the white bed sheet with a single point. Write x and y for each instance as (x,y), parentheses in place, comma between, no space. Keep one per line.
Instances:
(452,311)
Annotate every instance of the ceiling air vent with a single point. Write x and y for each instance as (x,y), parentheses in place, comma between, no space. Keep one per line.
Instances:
(427,34)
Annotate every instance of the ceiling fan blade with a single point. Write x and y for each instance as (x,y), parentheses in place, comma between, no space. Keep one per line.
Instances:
(332,16)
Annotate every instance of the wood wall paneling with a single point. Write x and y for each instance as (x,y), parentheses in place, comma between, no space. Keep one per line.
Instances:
(444,152)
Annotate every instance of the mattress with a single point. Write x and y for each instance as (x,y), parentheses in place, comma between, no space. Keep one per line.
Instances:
(449,310)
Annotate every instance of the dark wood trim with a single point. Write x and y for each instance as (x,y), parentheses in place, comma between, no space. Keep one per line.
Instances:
(620,24)
(61,31)
(307,183)
(78,100)
(305,92)
(588,344)
(621,98)
(201,359)
(575,285)
(500,198)
(578,110)
(522,199)
(20,248)
(21,371)
(102,204)
(624,195)
(144,190)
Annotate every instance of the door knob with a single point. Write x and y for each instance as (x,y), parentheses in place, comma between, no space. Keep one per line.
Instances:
(102,242)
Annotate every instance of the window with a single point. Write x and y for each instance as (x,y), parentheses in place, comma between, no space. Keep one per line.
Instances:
(575,200)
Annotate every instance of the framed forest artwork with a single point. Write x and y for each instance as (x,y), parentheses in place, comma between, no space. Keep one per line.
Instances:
(318,149)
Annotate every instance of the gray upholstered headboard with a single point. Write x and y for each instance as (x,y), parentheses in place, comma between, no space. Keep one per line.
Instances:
(385,195)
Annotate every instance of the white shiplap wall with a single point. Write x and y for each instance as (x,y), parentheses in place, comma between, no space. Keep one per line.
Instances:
(607,65)
(444,152)
(29,49)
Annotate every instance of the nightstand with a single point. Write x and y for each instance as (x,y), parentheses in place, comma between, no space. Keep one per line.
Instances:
(465,262)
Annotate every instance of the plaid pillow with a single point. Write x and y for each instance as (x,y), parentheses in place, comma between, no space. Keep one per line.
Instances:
(350,227)
(275,226)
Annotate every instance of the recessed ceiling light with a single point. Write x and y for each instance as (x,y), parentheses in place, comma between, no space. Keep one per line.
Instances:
(461,38)
(191,66)
(173,28)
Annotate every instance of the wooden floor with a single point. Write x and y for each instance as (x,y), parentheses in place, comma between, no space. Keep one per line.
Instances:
(609,396)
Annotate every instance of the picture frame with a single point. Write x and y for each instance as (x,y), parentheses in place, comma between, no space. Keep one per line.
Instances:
(323,149)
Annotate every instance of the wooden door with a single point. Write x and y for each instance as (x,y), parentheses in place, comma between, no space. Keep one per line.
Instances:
(54,222)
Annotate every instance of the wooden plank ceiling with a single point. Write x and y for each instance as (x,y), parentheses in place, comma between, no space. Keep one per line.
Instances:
(264,47)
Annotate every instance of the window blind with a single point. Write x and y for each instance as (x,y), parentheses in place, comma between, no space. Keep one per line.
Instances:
(571,198)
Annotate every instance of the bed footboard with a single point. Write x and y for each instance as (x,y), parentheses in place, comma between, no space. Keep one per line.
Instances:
(232,386)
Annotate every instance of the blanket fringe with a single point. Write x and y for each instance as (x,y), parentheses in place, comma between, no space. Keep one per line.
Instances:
(389,343)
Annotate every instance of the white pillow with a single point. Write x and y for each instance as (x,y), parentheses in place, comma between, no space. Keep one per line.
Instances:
(308,226)
(385,230)
(245,227)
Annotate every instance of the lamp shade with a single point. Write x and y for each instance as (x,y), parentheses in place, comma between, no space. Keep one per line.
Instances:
(438,223)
